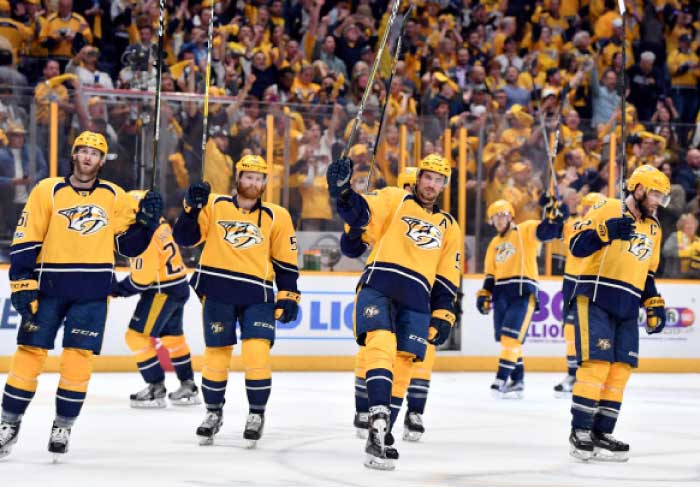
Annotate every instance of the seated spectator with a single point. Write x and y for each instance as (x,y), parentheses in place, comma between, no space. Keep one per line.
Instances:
(678,247)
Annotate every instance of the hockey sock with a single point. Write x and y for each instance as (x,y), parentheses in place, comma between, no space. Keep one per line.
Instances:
(510,351)
(518,373)
(215,376)
(258,373)
(395,408)
(75,368)
(611,397)
(417,395)
(590,380)
(179,356)
(145,355)
(361,404)
(380,354)
(27,364)
(569,336)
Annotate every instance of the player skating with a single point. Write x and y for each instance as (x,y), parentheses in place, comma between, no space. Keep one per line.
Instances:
(61,265)
(247,244)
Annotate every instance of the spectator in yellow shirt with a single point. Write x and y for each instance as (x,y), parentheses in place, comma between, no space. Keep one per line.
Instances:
(63,31)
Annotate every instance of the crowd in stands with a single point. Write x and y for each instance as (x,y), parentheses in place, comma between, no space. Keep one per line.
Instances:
(512,72)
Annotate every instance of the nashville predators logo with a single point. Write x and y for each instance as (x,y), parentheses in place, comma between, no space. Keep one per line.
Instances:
(641,246)
(85,219)
(241,235)
(504,252)
(603,344)
(216,327)
(424,234)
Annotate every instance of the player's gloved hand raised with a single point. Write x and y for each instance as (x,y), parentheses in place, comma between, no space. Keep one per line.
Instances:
(439,331)
(620,228)
(656,314)
(287,306)
(197,196)
(338,177)
(25,298)
(150,210)
(483,301)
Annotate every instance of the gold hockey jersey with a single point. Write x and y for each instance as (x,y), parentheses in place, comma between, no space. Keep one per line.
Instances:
(65,237)
(416,253)
(160,268)
(243,250)
(616,275)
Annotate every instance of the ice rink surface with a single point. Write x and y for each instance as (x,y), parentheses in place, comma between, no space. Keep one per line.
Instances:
(471,439)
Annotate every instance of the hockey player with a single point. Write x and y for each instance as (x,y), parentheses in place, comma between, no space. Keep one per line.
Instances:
(571,272)
(620,256)
(61,265)
(414,267)
(159,276)
(353,245)
(510,286)
(247,244)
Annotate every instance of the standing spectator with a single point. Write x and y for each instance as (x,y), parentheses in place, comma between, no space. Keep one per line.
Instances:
(515,95)
(18,173)
(64,31)
(460,72)
(605,97)
(684,67)
(326,53)
(646,85)
(687,174)
(84,65)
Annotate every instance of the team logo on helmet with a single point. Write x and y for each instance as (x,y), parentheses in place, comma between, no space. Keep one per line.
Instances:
(424,234)
(641,246)
(504,252)
(85,219)
(241,235)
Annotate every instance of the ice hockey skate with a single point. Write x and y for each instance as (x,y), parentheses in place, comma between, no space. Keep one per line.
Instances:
(607,448)
(210,426)
(58,442)
(380,456)
(413,428)
(151,397)
(565,387)
(186,395)
(254,425)
(581,444)
(513,390)
(8,437)
(361,423)
(497,389)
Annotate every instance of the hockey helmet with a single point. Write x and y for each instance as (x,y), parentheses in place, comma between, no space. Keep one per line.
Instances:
(500,206)
(435,163)
(407,176)
(652,180)
(92,140)
(252,163)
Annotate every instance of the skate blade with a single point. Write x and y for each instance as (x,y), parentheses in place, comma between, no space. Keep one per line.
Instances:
(412,435)
(155,404)
(496,394)
(251,444)
(516,395)
(582,455)
(562,394)
(5,451)
(206,440)
(189,401)
(601,455)
(361,433)
(377,463)
(57,457)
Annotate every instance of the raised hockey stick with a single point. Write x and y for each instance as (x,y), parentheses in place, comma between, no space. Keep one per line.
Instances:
(395,61)
(623,142)
(207,81)
(370,81)
(159,75)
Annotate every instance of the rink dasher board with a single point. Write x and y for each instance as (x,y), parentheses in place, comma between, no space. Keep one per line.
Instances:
(322,337)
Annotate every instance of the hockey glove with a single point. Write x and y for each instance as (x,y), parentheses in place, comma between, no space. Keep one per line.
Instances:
(656,314)
(287,306)
(25,298)
(338,177)
(440,326)
(122,289)
(616,229)
(196,197)
(483,301)
(150,210)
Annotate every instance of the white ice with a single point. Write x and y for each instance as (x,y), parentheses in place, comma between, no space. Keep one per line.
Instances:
(471,439)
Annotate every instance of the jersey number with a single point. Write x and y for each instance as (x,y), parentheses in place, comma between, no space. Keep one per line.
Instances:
(293,243)
(169,262)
